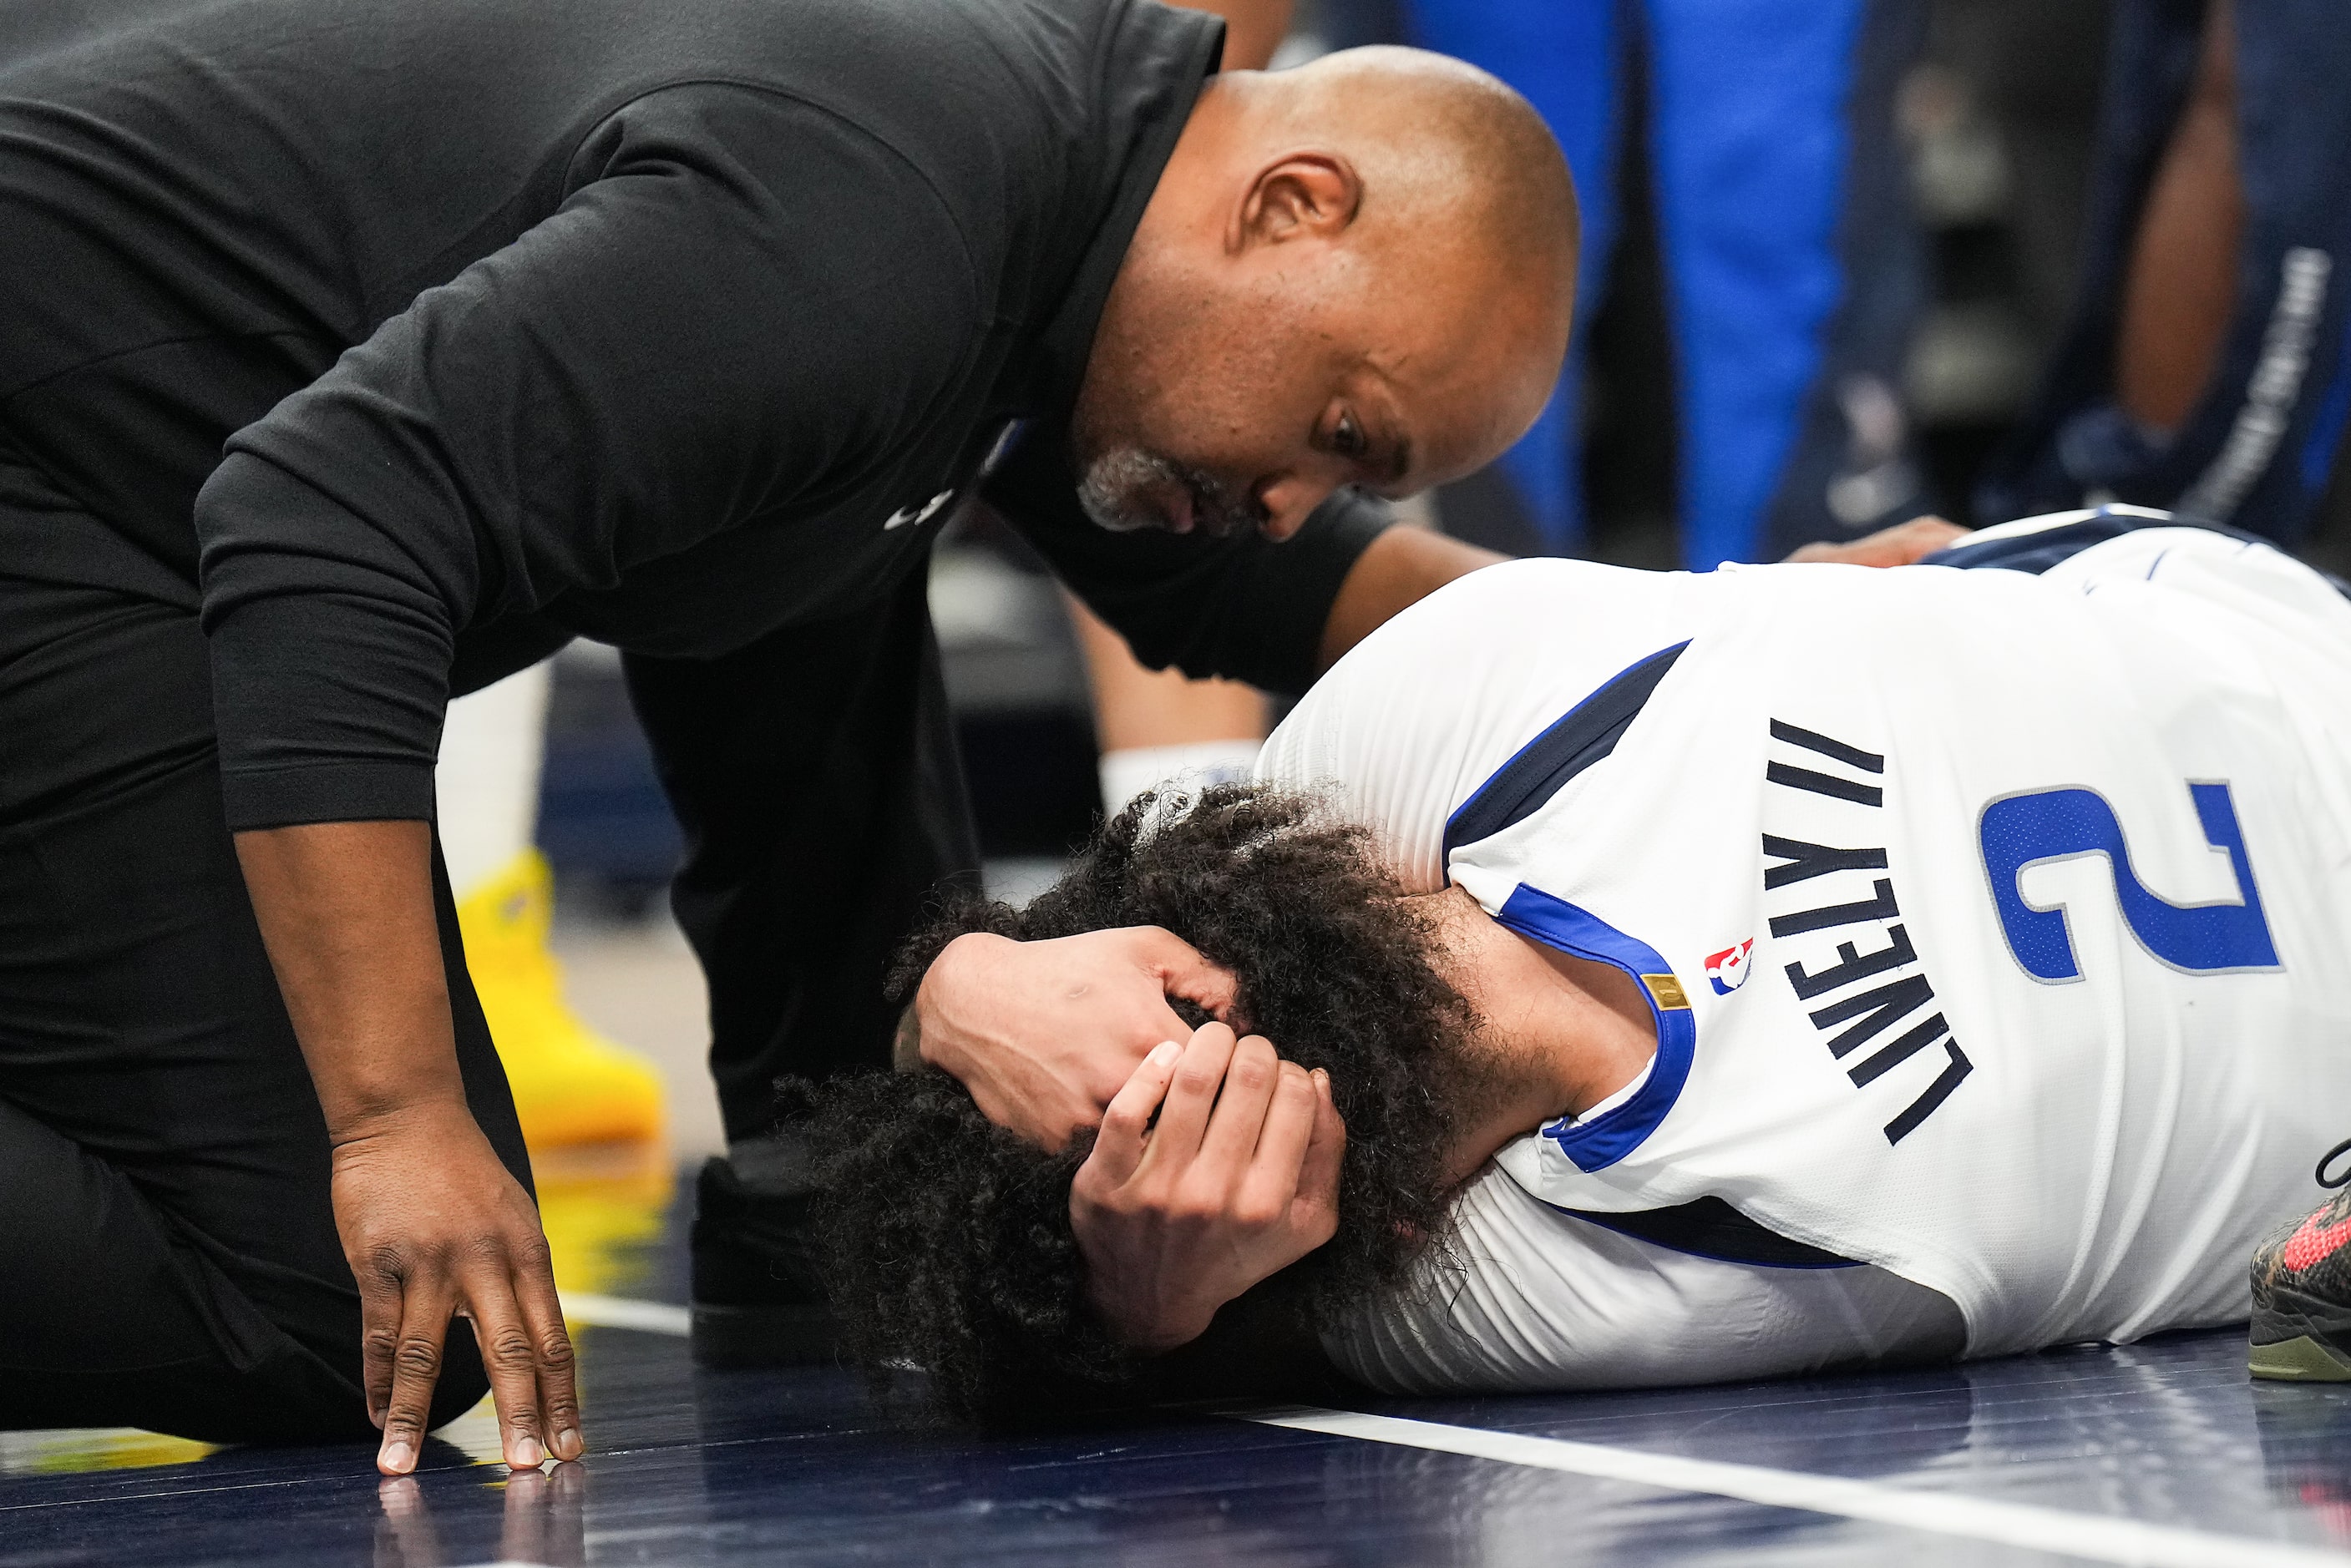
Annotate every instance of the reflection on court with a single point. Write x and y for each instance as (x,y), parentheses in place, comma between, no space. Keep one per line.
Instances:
(603,1207)
(716,1469)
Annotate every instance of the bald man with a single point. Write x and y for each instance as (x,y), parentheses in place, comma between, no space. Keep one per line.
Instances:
(354,361)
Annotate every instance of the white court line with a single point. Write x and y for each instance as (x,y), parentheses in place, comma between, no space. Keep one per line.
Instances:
(2098,1537)
(619,1312)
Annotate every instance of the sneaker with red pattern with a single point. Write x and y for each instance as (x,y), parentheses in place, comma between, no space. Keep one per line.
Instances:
(2302,1292)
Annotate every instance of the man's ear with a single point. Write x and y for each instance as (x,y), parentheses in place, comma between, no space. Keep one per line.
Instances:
(1300,195)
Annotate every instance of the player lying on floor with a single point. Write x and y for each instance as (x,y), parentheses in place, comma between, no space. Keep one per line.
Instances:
(1718,976)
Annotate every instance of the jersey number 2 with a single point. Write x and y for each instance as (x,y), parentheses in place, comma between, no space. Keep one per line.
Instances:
(2022,830)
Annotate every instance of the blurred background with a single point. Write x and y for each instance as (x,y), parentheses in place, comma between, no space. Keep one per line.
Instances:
(1834,278)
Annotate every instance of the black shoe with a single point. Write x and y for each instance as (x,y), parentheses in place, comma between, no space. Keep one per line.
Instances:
(757,1299)
(2301,1293)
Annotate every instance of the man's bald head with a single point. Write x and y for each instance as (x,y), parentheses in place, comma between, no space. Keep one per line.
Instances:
(1362,270)
(1440,141)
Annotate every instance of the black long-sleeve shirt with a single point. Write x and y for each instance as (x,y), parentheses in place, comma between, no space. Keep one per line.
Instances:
(664,322)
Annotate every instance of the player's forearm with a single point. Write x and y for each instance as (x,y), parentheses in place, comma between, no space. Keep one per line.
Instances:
(346,912)
(1137,707)
(1401,567)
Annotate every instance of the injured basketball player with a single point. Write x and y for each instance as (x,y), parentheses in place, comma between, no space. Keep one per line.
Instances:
(1659,978)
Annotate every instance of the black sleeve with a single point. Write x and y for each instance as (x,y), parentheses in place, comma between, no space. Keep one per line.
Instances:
(741,297)
(1243,607)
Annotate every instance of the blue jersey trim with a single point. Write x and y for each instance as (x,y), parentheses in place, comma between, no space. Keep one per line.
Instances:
(2036,553)
(1727,1238)
(1589,732)
(1603,1141)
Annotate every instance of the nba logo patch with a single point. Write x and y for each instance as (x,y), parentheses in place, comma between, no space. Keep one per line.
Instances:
(1727,971)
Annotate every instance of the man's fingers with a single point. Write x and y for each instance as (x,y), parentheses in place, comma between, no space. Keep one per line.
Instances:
(407,1522)
(1281,1143)
(1326,1155)
(558,1381)
(424,1312)
(510,1358)
(1118,1149)
(378,1335)
(1183,972)
(1249,1081)
(1183,1115)
(1901,545)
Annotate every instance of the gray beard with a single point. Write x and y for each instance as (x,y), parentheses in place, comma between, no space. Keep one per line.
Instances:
(1112,488)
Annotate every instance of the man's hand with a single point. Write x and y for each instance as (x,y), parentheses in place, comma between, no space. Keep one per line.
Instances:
(1228,1188)
(435,1226)
(1904,544)
(1042,1034)
(430,1221)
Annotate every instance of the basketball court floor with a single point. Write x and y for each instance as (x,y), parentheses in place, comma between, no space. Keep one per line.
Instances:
(2160,1453)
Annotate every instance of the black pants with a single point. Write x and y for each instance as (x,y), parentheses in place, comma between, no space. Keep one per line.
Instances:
(168,1258)
(816,775)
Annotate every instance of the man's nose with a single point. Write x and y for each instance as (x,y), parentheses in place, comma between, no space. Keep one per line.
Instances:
(1289,500)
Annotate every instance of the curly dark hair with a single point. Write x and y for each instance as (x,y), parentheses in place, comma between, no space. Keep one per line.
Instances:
(947,1239)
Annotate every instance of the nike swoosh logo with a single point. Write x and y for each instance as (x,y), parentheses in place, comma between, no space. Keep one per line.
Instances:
(2313,1241)
(914,515)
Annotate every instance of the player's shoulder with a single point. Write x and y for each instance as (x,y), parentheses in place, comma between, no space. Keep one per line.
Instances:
(1530,1298)
(1408,725)
(1516,617)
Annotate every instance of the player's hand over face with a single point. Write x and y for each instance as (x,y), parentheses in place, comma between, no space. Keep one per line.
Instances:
(1904,544)
(1238,1179)
(433,1224)
(1043,1033)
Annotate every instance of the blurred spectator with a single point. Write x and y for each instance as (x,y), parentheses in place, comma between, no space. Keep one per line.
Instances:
(2004,117)
(2000,120)
(1756,142)
(2204,367)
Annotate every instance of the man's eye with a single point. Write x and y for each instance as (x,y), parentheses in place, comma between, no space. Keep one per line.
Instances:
(1348,440)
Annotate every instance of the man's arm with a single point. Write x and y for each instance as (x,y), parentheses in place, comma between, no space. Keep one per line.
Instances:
(689,343)
(1400,568)
(430,1221)
(666,354)
(1904,544)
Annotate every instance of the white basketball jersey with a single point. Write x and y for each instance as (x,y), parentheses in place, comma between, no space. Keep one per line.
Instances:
(1994,924)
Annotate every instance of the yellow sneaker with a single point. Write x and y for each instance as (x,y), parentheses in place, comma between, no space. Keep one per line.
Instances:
(603,1209)
(571,1085)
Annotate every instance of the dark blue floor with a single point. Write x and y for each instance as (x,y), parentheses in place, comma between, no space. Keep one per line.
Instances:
(698,1469)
